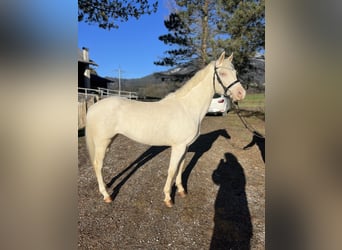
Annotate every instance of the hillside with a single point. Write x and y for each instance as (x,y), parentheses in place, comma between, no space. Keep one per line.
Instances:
(161,83)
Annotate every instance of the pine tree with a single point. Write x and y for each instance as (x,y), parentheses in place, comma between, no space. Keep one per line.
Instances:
(200,17)
(178,35)
(212,26)
(242,26)
(190,30)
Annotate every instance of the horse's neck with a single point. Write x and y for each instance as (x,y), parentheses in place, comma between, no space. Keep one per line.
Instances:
(198,98)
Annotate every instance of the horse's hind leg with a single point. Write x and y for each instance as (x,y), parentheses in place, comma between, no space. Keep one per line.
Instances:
(100,150)
(177,155)
(179,185)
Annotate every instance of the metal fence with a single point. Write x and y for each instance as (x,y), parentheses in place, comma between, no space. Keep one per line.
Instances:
(103,93)
(121,93)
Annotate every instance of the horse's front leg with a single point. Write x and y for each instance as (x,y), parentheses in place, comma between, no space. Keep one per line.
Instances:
(177,156)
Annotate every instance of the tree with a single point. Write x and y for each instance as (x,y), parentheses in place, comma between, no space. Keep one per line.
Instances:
(107,13)
(190,25)
(243,24)
(178,35)
(233,25)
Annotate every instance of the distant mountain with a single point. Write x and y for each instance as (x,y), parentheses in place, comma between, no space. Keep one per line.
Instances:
(180,73)
(133,83)
(255,73)
(173,78)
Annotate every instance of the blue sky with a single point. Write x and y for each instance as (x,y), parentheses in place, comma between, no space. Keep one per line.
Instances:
(133,47)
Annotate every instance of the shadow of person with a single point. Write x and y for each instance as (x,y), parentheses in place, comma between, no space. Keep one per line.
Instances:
(258,140)
(199,147)
(233,227)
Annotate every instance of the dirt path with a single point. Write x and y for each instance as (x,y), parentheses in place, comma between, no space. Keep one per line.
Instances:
(226,193)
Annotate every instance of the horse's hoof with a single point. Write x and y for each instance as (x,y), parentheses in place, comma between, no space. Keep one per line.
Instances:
(182,194)
(168,203)
(108,199)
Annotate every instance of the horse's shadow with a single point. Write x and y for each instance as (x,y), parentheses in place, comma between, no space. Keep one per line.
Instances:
(199,147)
(133,167)
(233,227)
(258,140)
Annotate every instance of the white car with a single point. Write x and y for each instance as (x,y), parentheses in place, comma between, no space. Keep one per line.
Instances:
(220,104)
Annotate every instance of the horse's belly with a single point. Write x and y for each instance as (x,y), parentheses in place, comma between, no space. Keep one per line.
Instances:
(147,137)
(155,123)
(160,131)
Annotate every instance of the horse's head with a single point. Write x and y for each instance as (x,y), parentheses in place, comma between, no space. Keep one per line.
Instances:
(225,79)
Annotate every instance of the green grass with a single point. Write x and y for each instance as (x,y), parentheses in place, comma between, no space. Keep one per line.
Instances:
(253,102)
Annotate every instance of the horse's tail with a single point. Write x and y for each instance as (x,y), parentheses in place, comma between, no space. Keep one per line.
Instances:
(90,142)
(97,135)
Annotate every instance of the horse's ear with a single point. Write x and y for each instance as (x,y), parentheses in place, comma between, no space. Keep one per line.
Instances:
(230,58)
(221,59)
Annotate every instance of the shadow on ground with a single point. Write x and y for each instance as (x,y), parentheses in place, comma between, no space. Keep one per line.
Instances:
(258,140)
(133,167)
(199,147)
(233,227)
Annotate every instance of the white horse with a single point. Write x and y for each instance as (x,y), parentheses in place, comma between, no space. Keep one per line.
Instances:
(173,121)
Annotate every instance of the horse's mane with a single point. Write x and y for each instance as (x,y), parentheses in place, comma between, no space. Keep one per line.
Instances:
(191,83)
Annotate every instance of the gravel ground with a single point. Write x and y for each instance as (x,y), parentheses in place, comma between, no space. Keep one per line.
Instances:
(224,208)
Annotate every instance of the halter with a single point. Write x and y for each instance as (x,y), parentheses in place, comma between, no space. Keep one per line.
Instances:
(225,89)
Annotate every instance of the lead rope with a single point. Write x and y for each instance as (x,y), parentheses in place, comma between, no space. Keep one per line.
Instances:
(247,126)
